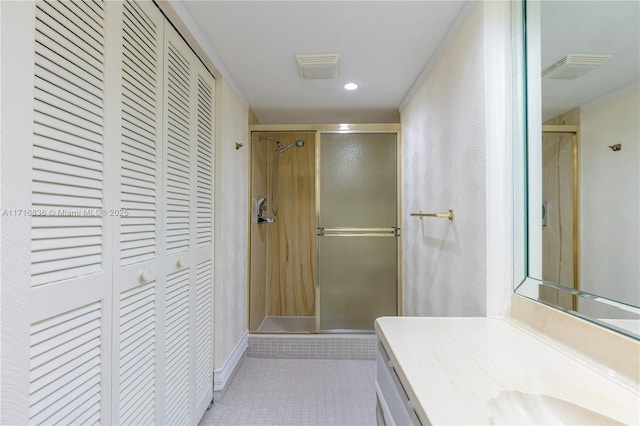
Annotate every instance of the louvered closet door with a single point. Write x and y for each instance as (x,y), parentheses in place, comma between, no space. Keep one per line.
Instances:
(70,303)
(188,134)
(177,178)
(120,298)
(138,269)
(202,190)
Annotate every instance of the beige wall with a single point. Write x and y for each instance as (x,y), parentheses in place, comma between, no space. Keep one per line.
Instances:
(232,212)
(610,199)
(456,155)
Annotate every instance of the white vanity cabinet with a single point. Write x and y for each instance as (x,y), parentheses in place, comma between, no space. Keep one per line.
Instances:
(395,406)
(496,371)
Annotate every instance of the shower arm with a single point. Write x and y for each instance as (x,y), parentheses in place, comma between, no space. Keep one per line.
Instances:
(283,149)
(299,143)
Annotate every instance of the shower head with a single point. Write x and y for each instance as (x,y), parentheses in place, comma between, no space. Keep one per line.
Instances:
(299,143)
(280,149)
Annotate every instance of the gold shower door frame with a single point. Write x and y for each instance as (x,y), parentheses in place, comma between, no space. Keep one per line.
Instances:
(573,130)
(337,128)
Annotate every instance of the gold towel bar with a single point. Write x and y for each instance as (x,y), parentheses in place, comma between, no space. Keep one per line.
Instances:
(448,215)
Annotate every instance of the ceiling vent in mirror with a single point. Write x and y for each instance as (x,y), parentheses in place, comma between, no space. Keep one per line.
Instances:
(574,65)
(318,66)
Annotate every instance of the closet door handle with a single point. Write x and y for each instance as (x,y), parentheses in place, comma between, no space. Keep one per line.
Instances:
(180,262)
(144,276)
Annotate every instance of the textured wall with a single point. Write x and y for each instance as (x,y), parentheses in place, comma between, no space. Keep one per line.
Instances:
(444,270)
(610,200)
(232,212)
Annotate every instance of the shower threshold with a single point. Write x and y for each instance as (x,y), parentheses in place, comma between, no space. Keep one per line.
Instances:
(287,324)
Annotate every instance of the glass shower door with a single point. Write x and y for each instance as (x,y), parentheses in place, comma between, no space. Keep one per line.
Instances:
(357,229)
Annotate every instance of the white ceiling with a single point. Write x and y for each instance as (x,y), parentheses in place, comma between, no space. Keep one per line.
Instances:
(384,46)
(600,27)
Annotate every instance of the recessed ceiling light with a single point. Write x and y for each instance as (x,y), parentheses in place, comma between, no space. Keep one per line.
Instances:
(350,86)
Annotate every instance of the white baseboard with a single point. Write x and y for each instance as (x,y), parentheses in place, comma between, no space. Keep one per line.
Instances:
(222,375)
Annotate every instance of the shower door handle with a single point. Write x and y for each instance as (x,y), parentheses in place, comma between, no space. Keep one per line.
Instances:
(358,232)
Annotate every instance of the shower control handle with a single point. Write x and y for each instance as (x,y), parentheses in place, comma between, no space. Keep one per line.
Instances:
(261,206)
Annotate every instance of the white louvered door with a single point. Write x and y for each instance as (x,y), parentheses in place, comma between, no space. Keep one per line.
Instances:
(70,303)
(138,286)
(121,291)
(202,188)
(189,88)
(178,165)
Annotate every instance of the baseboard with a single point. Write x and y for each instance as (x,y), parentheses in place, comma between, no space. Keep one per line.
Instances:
(221,376)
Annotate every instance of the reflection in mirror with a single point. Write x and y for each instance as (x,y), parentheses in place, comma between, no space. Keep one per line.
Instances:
(584,159)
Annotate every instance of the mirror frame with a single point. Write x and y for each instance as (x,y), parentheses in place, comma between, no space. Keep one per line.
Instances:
(527,176)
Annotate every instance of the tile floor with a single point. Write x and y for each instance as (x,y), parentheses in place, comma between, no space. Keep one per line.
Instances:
(298,392)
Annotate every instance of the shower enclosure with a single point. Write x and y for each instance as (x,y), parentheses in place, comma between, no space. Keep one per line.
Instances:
(560,189)
(324,249)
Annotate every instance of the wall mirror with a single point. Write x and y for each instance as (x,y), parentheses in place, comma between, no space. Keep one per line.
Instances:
(580,200)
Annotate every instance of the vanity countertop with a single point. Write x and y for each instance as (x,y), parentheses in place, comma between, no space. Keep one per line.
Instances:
(455,369)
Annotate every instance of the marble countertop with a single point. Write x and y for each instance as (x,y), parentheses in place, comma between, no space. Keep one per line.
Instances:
(454,367)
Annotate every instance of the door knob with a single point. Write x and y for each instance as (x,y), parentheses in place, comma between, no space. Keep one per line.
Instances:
(144,275)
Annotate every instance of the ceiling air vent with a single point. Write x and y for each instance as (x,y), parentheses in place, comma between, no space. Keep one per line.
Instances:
(574,65)
(319,66)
